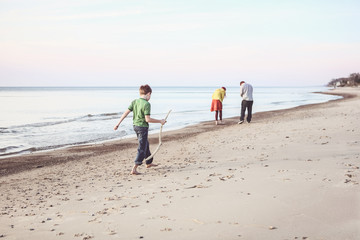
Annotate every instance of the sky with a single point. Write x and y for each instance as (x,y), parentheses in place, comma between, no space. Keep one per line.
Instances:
(177,43)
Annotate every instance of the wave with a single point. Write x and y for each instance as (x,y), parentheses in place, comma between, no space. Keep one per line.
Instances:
(7,130)
(299,102)
(86,118)
(18,150)
(6,149)
(23,151)
(97,117)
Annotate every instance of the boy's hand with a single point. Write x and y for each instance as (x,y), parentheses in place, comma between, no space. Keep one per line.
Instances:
(116,127)
(163,121)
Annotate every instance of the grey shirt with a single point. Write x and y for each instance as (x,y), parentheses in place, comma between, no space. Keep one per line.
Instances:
(246,92)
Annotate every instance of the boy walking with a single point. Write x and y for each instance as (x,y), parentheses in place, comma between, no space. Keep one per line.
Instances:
(141,109)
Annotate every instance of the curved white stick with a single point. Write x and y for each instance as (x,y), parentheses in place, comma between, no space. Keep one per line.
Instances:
(160,143)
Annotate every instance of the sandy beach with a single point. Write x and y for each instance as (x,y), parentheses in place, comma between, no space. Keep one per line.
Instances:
(290,174)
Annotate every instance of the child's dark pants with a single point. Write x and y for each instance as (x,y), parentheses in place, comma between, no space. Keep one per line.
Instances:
(143,150)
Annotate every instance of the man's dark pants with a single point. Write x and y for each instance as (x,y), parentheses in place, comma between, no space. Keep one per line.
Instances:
(246,105)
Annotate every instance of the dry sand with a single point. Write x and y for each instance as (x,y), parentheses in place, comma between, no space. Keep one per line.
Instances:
(290,174)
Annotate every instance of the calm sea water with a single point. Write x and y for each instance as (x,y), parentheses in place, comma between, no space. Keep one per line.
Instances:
(35,119)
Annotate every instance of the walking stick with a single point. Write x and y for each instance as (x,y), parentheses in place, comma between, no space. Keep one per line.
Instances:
(160,143)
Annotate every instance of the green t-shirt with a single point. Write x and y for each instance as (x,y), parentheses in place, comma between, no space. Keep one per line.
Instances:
(140,108)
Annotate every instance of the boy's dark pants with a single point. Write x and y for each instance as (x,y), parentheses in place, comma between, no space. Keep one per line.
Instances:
(143,150)
(246,105)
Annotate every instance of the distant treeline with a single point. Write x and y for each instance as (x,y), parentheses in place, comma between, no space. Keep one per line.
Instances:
(352,80)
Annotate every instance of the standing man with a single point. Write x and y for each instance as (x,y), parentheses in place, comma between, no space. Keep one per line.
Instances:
(246,92)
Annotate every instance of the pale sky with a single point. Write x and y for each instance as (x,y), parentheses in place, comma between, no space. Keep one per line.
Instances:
(176,43)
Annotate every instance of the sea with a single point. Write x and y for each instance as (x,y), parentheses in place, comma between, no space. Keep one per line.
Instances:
(43,118)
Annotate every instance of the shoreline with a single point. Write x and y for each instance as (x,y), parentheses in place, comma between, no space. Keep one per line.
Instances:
(36,139)
(23,162)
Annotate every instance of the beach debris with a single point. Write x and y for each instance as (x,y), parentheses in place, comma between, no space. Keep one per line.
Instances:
(272,228)
(103,212)
(197,221)
(197,186)
(213,174)
(226,177)
(86,236)
(92,220)
(166,230)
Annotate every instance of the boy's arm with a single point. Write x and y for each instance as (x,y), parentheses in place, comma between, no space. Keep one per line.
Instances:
(153,120)
(122,118)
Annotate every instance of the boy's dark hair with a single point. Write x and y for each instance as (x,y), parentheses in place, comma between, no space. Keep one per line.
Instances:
(145,89)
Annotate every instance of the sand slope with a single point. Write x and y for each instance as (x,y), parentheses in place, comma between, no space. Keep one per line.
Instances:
(290,174)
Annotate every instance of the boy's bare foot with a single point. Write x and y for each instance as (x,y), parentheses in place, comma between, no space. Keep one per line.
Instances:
(151,165)
(135,173)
